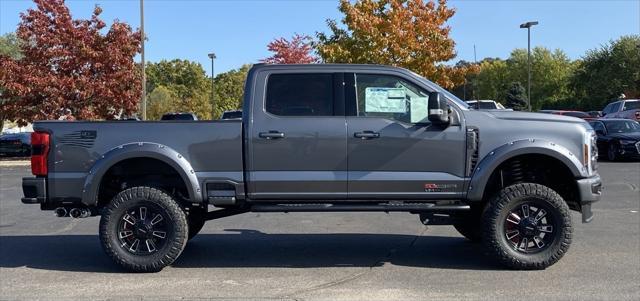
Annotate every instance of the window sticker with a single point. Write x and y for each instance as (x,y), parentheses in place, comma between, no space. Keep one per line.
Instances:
(385,100)
(419,109)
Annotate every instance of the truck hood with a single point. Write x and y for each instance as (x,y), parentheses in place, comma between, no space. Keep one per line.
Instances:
(526,116)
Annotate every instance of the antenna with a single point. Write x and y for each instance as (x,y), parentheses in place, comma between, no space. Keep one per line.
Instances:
(475,84)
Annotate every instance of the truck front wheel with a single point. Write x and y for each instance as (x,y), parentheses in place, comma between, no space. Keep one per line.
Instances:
(143,229)
(527,226)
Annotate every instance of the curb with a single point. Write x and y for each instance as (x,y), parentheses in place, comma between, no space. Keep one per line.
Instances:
(12,163)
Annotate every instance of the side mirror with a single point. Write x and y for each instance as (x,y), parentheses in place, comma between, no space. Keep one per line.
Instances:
(438,109)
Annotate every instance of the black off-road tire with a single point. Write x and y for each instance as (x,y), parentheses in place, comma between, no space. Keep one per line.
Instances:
(196,221)
(494,219)
(176,235)
(612,152)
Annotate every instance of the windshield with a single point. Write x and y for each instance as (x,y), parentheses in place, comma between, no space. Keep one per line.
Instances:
(622,126)
(446,93)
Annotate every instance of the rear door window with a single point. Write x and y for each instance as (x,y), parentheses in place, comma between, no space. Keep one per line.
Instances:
(301,94)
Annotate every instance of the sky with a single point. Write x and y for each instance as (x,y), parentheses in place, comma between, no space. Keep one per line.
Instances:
(238,31)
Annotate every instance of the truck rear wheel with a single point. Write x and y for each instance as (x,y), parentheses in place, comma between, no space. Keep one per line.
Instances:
(143,229)
(527,226)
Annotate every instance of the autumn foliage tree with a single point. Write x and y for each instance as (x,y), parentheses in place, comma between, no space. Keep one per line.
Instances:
(70,64)
(407,33)
(298,50)
(188,83)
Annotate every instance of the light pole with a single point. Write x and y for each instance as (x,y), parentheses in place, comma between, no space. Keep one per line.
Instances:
(144,75)
(212,56)
(528,27)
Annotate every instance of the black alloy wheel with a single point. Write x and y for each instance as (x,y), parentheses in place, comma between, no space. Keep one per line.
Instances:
(530,227)
(527,226)
(143,229)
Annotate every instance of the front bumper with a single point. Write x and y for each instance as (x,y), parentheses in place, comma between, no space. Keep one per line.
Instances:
(590,191)
(35,190)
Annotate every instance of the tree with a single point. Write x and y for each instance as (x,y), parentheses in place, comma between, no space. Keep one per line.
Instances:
(407,33)
(550,75)
(605,73)
(493,80)
(229,90)
(296,51)
(9,47)
(465,88)
(187,81)
(70,64)
(516,97)
(160,101)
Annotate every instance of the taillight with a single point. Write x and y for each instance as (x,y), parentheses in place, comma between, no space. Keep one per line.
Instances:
(39,153)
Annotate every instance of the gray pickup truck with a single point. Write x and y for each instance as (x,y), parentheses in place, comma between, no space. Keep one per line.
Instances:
(324,138)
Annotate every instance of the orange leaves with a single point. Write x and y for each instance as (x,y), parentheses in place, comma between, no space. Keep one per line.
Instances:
(296,51)
(69,64)
(406,33)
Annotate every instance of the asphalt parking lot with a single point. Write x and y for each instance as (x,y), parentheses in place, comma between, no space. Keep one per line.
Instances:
(321,256)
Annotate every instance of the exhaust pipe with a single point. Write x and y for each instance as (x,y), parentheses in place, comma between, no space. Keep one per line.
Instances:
(61,212)
(79,212)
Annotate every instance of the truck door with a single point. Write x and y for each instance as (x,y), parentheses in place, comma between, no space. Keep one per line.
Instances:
(393,151)
(298,146)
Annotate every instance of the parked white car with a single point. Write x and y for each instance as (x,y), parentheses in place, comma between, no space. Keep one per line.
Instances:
(485,104)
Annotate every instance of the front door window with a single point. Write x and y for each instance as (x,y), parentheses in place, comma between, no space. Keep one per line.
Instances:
(390,97)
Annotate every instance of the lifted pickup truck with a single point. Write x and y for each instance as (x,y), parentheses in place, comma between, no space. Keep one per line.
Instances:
(624,108)
(324,138)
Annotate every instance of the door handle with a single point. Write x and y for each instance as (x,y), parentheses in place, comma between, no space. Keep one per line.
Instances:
(366,135)
(271,135)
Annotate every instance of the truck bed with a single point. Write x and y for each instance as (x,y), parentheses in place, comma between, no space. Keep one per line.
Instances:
(212,148)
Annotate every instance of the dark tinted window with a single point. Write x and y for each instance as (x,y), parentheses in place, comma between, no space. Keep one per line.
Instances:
(631,105)
(179,116)
(23,137)
(232,115)
(304,94)
(577,114)
(485,105)
(622,126)
(615,107)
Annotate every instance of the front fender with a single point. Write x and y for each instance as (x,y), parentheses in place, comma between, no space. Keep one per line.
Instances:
(493,159)
(140,150)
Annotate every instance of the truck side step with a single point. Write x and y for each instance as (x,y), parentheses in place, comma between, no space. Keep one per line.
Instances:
(366,207)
